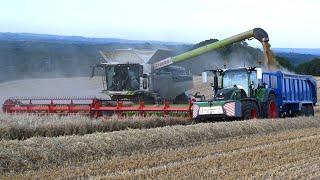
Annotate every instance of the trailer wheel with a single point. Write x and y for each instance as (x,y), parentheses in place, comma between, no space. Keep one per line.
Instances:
(307,110)
(270,108)
(250,110)
(310,110)
(304,111)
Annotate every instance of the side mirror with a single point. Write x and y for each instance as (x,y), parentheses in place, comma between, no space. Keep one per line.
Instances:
(204,77)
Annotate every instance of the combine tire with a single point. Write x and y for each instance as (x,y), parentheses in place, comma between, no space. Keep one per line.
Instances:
(270,108)
(250,110)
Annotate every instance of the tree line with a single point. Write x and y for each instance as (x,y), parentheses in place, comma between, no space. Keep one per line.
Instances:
(311,67)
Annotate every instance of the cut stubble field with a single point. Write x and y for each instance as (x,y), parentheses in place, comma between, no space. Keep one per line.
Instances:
(283,154)
(245,149)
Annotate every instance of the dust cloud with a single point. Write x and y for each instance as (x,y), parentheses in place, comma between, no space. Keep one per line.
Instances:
(61,87)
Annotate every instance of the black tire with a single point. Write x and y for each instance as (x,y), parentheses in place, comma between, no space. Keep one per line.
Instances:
(307,110)
(267,106)
(250,110)
(310,110)
(304,111)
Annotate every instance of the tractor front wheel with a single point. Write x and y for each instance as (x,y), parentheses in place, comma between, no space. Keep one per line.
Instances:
(250,110)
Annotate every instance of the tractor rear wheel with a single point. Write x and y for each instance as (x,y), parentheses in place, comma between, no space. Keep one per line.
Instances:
(270,108)
(250,110)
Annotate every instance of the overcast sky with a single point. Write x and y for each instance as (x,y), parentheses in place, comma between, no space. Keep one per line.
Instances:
(290,23)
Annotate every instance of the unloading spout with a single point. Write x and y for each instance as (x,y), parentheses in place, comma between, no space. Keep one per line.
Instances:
(257,33)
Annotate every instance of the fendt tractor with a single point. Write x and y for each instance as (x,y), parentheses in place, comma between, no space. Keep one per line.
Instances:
(242,93)
(249,93)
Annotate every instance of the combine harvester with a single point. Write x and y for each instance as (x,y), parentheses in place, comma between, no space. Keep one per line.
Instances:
(244,93)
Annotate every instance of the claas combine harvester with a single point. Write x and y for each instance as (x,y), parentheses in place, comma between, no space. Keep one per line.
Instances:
(241,93)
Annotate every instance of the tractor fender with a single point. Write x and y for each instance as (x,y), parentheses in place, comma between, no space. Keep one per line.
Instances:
(263,94)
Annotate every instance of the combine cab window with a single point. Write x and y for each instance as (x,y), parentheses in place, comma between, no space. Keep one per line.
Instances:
(123,77)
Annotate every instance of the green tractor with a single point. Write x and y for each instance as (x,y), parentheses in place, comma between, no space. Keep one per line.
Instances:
(238,94)
(249,93)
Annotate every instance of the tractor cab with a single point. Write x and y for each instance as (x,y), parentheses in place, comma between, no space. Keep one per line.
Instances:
(234,83)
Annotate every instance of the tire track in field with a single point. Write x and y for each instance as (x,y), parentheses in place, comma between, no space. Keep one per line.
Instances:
(230,153)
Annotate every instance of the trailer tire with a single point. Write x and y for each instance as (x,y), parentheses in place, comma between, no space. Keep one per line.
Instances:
(250,110)
(310,111)
(270,108)
(304,111)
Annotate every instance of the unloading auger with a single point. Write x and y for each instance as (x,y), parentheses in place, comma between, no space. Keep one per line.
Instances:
(257,33)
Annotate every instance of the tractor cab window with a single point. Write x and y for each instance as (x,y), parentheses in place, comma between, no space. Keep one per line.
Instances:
(238,77)
(122,77)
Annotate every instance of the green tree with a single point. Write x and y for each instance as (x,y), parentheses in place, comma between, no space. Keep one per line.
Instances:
(284,62)
(311,67)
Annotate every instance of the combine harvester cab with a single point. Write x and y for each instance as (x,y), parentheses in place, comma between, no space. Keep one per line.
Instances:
(247,93)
